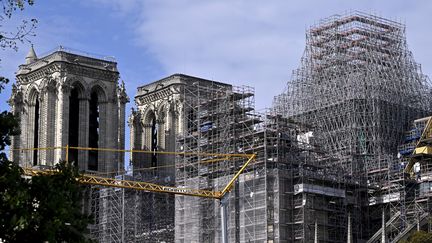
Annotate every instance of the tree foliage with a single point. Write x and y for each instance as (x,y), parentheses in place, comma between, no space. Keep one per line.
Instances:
(43,208)
(10,39)
(9,125)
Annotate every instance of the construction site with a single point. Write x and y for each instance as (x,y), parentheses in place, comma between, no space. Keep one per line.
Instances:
(343,154)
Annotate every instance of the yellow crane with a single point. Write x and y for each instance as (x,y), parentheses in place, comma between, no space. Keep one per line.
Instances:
(221,195)
(92,179)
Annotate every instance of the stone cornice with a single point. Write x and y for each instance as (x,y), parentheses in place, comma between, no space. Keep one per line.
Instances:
(177,79)
(157,95)
(67,56)
(69,68)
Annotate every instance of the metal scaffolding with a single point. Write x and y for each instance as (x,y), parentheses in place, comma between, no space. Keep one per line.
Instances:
(216,119)
(106,206)
(262,205)
(359,87)
(405,197)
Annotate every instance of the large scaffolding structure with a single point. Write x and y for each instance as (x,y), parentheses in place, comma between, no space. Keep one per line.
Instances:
(262,206)
(286,192)
(218,118)
(358,86)
(215,120)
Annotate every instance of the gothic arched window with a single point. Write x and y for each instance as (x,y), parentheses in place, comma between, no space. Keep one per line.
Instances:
(93,138)
(36,130)
(73,124)
(154,141)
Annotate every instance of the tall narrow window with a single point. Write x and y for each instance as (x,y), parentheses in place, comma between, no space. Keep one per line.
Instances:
(154,142)
(93,131)
(73,125)
(36,131)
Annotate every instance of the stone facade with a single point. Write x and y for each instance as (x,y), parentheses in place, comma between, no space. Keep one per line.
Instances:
(160,107)
(68,99)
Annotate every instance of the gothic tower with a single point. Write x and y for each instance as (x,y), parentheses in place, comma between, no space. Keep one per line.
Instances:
(192,117)
(66,98)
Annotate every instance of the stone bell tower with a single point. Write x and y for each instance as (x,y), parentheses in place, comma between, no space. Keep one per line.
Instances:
(67,98)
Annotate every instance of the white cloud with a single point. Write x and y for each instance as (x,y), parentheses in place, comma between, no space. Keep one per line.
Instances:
(256,43)
(243,43)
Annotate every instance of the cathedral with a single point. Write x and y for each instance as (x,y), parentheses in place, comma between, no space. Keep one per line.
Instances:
(326,166)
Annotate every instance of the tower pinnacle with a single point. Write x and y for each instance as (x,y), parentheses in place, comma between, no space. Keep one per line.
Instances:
(31,56)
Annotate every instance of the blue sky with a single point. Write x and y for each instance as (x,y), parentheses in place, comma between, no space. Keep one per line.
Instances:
(251,42)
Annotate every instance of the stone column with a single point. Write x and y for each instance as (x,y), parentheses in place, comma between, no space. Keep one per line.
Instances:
(83,132)
(115,163)
(26,133)
(121,130)
(62,120)
(47,126)
(161,158)
(16,103)
(110,139)
(30,131)
(132,134)
(132,137)
(51,131)
(43,110)
(103,136)
(136,132)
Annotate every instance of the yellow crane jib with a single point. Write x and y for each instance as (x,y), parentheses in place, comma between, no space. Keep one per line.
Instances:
(91,179)
(423,147)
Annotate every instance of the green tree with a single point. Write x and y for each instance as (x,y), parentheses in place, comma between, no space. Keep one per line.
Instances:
(44,208)
(15,203)
(10,39)
(58,216)
(9,125)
